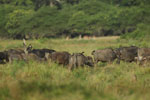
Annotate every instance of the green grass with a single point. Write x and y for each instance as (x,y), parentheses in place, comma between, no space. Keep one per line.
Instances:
(49,81)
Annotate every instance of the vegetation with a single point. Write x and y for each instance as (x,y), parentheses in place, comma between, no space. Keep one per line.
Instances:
(43,19)
(47,80)
(55,18)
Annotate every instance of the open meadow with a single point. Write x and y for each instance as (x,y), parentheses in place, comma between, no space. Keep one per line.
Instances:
(50,81)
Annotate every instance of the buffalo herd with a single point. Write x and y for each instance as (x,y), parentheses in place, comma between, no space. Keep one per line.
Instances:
(75,60)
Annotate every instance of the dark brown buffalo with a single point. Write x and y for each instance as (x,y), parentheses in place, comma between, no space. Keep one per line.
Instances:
(104,55)
(32,56)
(36,54)
(127,54)
(60,57)
(39,52)
(79,60)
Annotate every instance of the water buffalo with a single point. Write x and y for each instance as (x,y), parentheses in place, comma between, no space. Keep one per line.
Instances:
(15,51)
(32,56)
(78,59)
(127,54)
(14,54)
(39,52)
(60,57)
(25,57)
(3,57)
(25,54)
(104,55)
(143,52)
(36,54)
(143,55)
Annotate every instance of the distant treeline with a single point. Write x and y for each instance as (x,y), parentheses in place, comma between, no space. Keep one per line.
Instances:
(61,18)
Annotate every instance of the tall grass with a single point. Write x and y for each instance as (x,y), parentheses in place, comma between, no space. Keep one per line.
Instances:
(50,81)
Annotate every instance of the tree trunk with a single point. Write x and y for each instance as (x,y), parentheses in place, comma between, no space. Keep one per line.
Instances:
(51,4)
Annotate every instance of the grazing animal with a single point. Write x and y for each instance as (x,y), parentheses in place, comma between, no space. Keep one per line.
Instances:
(14,54)
(104,55)
(3,57)
(19,54)
(127,54)
(32,56)
(143,52)
(39,52)
(36,54)
(143,55)
(78,60)
(89,61)
(15,51)
(60,57)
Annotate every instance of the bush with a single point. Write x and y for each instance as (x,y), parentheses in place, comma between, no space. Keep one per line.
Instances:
(15,21)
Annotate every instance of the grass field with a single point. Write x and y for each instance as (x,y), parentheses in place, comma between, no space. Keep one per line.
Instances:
(49,81)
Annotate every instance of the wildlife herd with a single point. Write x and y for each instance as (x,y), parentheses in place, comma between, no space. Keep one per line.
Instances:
(127,54)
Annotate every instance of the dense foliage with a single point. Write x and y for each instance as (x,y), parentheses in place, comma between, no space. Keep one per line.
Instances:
(53,18)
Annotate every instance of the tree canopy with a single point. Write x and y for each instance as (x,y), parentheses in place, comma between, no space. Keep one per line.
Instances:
(56,18)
